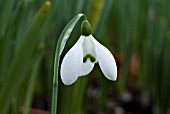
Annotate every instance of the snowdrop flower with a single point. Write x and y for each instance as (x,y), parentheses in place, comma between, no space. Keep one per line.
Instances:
(81,58)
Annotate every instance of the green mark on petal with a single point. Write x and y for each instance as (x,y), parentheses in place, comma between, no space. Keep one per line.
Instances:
(92,59)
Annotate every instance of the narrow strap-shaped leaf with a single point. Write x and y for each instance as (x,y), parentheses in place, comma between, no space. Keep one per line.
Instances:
(66,32)
(6,45)
(32,79)
(6,10)
(59,48)
(103,16)
(20,64)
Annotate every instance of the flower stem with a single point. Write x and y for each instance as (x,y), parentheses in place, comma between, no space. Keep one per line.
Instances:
(54,99)
(55,84)
(59,48)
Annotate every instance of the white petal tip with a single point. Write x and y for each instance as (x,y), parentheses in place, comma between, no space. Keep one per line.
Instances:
(112,78)
(106,60)
(67,82)
(80,14)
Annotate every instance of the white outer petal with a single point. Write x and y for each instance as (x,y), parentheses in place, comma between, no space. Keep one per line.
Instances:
(86,68)
(106,60)
(72,65)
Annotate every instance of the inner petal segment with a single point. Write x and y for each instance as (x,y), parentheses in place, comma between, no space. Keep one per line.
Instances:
(88,50)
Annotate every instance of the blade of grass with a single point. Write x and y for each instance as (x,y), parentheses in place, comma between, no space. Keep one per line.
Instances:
(95,12)
(5,12)
(6,44)
(32,79)
(20,61)
(103,16)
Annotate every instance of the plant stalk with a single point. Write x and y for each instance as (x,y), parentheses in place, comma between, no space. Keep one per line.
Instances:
(59,48)
(55,82)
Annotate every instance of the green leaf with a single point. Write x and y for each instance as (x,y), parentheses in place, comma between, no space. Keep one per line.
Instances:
(66,33)
(20,65)
(32,79)
(103,16)
(5,12)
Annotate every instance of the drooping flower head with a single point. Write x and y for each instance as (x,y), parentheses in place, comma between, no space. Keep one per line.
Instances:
(81,58)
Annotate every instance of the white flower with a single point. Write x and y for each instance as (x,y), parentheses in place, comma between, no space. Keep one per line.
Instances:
(81,58)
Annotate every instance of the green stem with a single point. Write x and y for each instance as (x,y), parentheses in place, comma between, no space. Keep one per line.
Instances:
(59,48)
(55,84)
(54,99)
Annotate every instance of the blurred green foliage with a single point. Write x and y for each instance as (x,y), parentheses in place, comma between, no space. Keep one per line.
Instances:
(129,28)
